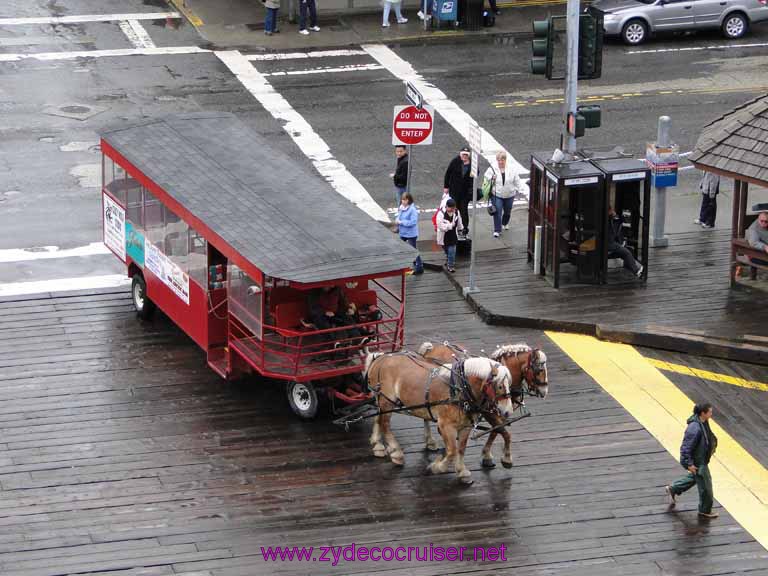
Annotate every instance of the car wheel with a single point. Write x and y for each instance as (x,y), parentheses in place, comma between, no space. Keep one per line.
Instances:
(143,305)
(735,25)
(635,32)
(303,399)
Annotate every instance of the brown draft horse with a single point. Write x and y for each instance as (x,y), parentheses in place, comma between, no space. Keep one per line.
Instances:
(452,395)
(528,368)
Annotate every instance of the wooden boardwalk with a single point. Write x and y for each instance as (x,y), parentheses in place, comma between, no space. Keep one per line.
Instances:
(121,453)
(686,305)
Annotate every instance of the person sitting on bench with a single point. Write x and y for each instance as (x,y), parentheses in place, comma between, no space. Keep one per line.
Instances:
(616,244)
(757,236)
(328,308)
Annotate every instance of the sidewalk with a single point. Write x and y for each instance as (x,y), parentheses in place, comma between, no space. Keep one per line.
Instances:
(239,24)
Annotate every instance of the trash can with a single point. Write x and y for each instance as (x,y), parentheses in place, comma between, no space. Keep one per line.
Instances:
(472,17)
(444,12)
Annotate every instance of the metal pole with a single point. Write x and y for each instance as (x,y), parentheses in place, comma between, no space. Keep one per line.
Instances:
(472,287)
(660,197)
(408,176)
(571,73)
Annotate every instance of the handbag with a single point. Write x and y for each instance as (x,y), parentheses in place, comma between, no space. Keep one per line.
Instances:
(491,206)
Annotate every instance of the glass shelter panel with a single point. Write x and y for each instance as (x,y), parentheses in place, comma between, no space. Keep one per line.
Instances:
(154,223)
(246,300)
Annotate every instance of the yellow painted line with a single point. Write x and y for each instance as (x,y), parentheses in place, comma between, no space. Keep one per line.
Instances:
(740,481)
(707,375)
(193,18)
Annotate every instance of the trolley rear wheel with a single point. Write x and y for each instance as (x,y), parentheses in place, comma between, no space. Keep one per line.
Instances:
(303,399)
(141,302)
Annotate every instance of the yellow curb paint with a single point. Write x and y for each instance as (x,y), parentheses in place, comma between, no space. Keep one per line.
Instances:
(740,481)
(707,375)
(181,6)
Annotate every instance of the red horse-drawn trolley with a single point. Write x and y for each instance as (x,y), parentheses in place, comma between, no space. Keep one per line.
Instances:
(257,259)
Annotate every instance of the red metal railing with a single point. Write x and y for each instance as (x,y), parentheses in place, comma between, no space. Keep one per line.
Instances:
(304,355)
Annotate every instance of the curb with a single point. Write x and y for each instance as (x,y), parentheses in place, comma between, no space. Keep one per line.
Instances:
(698,345)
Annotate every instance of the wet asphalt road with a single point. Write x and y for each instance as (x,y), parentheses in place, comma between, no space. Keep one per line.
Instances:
(49,164)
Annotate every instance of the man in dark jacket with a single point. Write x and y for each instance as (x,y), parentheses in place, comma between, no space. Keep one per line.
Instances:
(458,184)
(400,177)
(699,444)
(616,247)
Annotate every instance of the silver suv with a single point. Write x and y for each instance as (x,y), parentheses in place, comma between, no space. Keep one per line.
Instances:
(635,20)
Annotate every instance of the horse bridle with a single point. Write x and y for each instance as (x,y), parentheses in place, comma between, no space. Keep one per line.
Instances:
(531,370)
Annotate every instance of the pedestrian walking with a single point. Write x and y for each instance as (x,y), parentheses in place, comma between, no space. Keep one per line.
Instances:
(389,5)
(500,186)
(710,188)
(458,184)
(408,227)
(448,222)
(270,22)
(311,7)
(699,444)
(400,175)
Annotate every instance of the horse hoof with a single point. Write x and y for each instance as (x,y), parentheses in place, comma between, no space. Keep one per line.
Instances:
(506,464)
(488,463)
(432,446)
(379,451)
(398,459)
(466,480)
(428,471)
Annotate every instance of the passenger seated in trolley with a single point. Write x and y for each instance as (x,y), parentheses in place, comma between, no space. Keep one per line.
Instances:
(329,308)
(616,244)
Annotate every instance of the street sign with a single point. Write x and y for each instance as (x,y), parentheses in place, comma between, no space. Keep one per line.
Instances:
(412,126)
(475,137)
(413,95)
(473,165)
(663,162)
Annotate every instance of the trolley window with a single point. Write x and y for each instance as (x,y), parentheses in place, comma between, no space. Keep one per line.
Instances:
(246,299)
(198,257)
(134,204)
(113,179)
(153,220)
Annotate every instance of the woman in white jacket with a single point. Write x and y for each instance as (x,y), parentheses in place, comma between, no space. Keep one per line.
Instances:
(503,184)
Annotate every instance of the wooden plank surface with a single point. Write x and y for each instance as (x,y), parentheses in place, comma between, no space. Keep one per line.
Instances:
(122,453)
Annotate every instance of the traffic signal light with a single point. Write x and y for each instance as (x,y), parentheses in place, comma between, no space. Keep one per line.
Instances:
(591,115)
(543,47)
(590,45)
(576,125)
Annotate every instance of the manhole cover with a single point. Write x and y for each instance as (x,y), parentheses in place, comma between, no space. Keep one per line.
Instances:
(75,111)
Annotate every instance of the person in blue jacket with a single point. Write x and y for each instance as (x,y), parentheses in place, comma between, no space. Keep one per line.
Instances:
(699,444)
(408,226)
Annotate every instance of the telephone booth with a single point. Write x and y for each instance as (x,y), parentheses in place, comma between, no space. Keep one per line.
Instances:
(568,202)
(628,190)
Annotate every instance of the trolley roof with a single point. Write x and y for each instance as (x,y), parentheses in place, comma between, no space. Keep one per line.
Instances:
(274,212)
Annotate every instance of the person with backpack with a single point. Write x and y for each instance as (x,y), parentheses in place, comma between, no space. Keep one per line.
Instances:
(457,182)
(500,186)
(699,444)
(448,225)
(408,227)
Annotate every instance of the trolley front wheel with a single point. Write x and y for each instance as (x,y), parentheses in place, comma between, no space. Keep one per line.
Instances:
(143,305)
(303,399)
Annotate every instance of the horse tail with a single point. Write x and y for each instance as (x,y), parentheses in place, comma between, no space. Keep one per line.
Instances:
(425,349)
(370,357)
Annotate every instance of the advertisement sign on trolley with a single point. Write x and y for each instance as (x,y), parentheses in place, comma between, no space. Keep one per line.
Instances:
(167,271)
(114,226)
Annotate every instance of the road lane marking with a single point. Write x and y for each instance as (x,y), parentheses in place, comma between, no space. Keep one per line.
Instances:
(88,18)
(628,96)
(308,141)
(448,109)
(707,375)
(136,34)
(193,18)
(697,48)
(52,252)
(740,481)
(48,56)
(305,55)
(337,70)
(64,285)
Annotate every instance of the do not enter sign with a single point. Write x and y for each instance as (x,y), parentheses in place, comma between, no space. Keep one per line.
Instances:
(412,126)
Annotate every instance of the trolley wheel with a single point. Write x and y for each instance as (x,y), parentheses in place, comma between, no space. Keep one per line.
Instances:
(143,305)
(303,399)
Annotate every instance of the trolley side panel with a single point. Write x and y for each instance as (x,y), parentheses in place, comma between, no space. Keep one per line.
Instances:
(192,318)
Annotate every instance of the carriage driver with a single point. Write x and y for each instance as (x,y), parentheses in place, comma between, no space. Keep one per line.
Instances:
(328,308)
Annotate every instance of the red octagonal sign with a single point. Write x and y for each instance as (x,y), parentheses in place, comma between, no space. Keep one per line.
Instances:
(412,125)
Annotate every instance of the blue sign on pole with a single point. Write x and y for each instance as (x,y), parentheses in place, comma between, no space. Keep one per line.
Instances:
(663,163)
